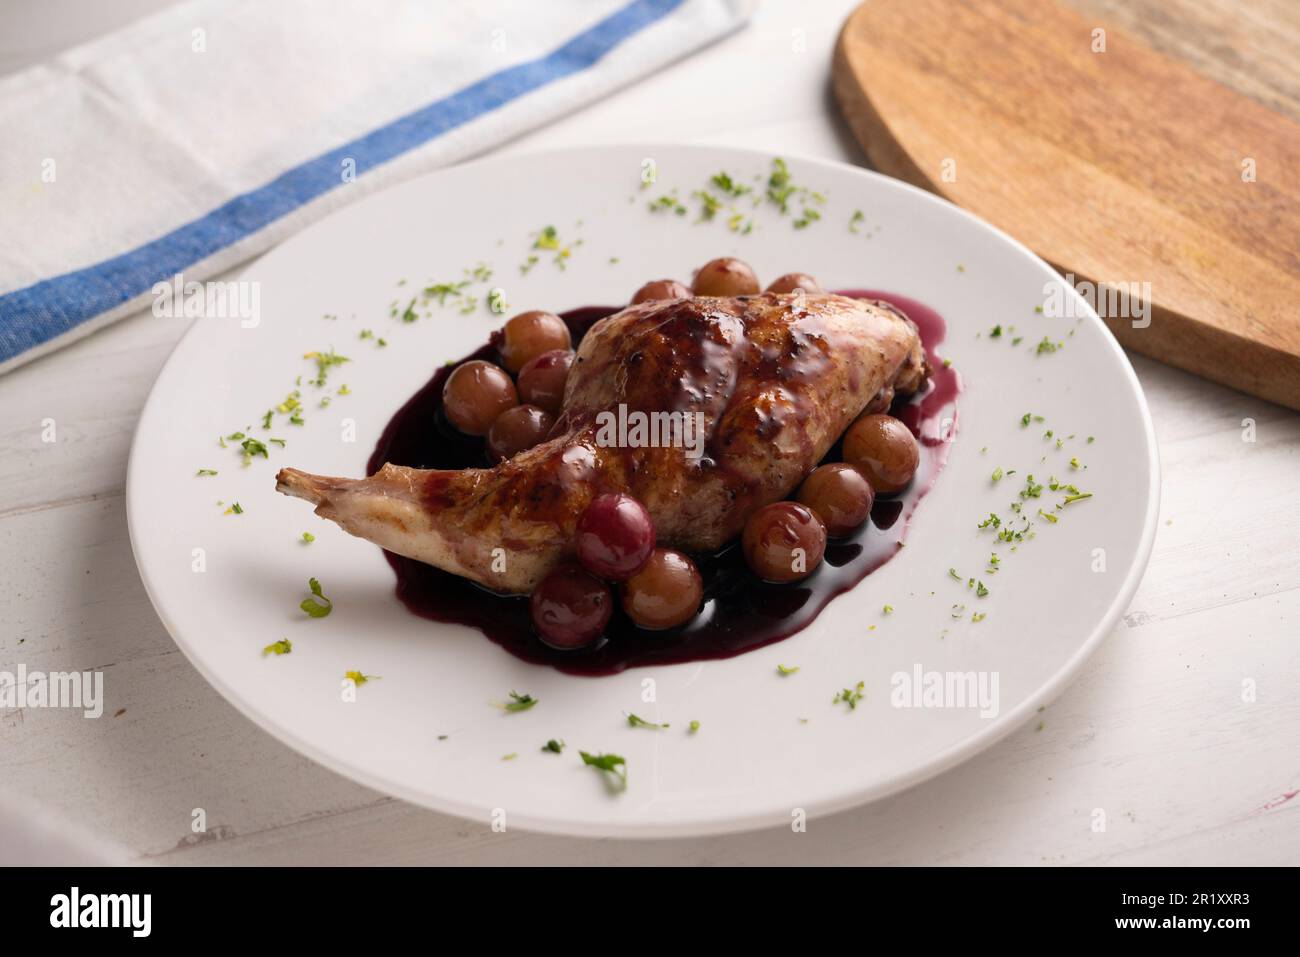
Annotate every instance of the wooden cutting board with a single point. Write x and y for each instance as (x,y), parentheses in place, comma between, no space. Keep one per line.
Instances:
(1164,151)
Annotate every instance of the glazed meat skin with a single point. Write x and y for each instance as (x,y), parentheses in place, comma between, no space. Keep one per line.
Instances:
(773,381)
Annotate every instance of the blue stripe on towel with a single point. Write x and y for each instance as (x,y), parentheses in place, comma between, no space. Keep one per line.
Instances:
(51,307)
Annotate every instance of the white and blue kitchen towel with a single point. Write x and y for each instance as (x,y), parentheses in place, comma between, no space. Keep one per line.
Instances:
(197,138)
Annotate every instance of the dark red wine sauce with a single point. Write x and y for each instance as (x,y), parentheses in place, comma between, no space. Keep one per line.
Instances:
(740,613)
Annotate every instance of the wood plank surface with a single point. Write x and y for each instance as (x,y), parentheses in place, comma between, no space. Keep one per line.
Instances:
(1171,174)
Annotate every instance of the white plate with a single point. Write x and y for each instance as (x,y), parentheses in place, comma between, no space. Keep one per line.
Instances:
(768,746)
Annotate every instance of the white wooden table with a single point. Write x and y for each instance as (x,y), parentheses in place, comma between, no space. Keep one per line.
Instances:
(1156,732)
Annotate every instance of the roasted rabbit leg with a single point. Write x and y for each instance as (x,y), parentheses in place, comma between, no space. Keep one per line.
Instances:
(771,381)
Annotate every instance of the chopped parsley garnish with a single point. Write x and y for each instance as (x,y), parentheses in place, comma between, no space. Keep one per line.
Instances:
(510,757)
(550,241)
(281,647)
(553,746)
(856,220)
(709,205)
(205,472)
(409,314)
(783,670)
(358,679)
(313,607)
(1048,346)
(1076,498)
(997,474)
(728,185)
(668,203)
(324,362)
(809,217)
(996,332)
(236,508)
(980,590)
(253,447)
(693,727)
(738,224)
(779,187)
(1029,417)
(308,537)
(612,764)
(519,702)
(548,238)
(850,696)
(1032,489)
(443,290)
(978,616)
(638,722)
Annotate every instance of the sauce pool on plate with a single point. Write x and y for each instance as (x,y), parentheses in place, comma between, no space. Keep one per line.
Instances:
(740,612)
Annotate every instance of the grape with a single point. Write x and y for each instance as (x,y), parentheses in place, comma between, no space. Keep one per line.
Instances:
(570,608)
(528,335)
(884,450)
(725,277)
(840,495)
(665,593)
(615,536)
(517,429)
(541,380)
(661,289)
(476,393)
(794,280)
(783,542)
